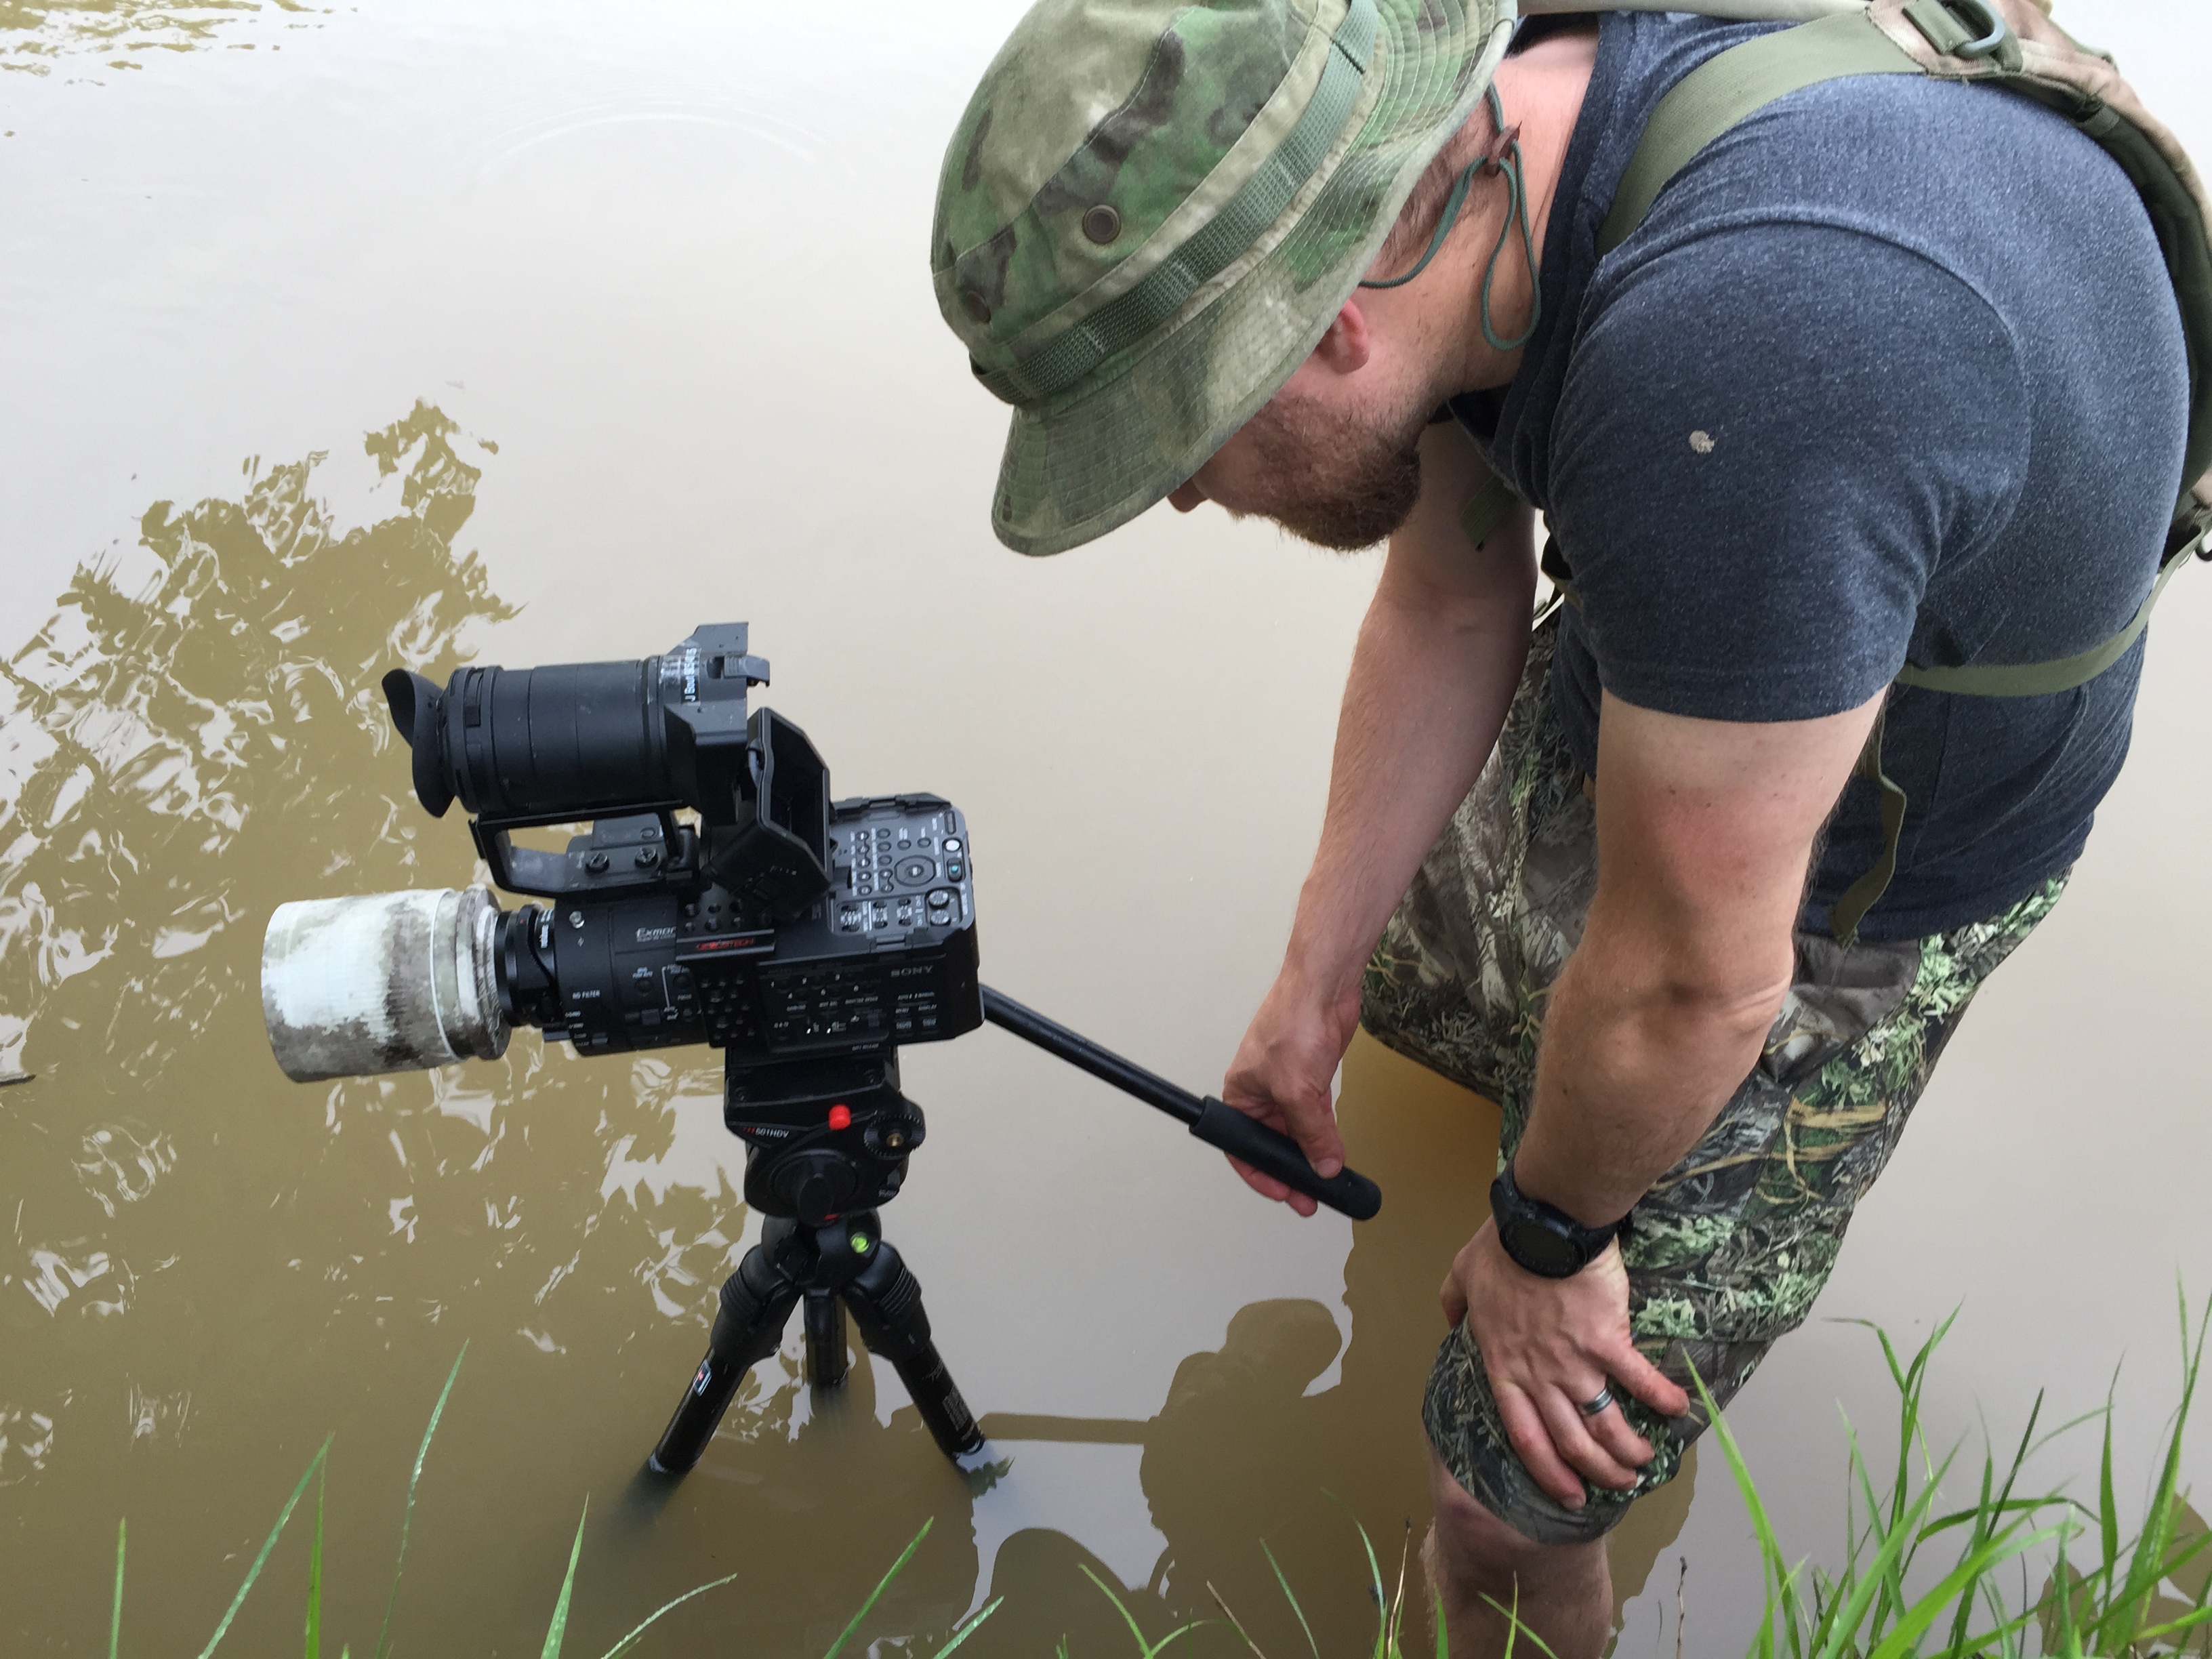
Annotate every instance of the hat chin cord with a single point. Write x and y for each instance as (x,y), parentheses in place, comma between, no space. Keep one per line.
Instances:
(1503,157)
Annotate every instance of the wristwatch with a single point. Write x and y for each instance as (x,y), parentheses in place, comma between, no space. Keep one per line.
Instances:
(1543,1240)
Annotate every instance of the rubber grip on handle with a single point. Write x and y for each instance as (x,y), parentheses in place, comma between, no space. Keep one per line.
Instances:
(1272,1152)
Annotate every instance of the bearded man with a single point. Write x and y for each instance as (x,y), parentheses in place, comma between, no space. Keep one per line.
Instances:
(1885,380)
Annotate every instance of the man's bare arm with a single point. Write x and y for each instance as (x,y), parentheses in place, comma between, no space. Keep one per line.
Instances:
(1705,831)
(1439,654)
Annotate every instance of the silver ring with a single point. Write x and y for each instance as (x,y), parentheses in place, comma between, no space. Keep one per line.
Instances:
(1601,1401)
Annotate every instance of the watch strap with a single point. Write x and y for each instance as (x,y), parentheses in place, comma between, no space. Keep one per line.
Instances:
(1523,1221)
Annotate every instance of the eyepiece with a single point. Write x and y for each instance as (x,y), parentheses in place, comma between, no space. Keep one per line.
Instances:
(418,709)
(389,982)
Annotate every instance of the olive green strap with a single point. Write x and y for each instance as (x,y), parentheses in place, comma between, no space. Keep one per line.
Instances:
(1491,506)
(1866,892)
(2043,679)
(1722,91)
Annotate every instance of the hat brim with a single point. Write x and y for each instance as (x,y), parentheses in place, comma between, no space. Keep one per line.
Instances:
(1091,460)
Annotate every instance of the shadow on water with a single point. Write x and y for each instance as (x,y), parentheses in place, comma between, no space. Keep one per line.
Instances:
(1247,1450)
(211,1268)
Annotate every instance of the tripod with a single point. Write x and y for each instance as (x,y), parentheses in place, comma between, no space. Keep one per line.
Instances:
(827,1142)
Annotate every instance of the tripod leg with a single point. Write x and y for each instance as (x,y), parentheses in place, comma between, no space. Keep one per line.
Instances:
(886,1303)
(825,1339)
(756,1302)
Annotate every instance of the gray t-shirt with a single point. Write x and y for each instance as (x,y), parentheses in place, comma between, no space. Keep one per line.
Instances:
(1892,372)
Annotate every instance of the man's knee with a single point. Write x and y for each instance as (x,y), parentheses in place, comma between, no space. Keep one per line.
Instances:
(1476,1550)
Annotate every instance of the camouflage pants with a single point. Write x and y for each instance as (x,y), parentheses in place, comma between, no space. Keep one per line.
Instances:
(1728,1248)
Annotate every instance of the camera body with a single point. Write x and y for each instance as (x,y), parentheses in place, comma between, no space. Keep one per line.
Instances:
(885,954)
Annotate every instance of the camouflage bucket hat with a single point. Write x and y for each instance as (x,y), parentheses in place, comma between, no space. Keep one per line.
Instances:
(1153,210)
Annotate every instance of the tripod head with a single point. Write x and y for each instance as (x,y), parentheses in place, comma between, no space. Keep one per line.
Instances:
(823,1138)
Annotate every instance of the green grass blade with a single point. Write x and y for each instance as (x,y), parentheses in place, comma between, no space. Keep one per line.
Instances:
(1982,1524)
(115,1618)
(314,1466)
(407,1515)
(1514,1630)
(1770,1548)
(313,1647)
(556,1631)
(1991,1511)
(1960,1581)
(2131,1607)
(1144,1649)
(1291,1599)
(971,1627)
(1995,1508)
(2004,1633)
(2193,1621)
(631,1640)
(877,1594)
(2108,1507)
(1374,1577)
(1127,1618)
(1882,1591)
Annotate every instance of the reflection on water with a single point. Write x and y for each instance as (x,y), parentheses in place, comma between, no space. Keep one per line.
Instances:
(178,755)
(39,35)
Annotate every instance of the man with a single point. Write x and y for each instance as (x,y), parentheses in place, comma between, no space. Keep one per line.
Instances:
(1889,377)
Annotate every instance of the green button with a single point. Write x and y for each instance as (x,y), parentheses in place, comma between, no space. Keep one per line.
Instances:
(859,1244)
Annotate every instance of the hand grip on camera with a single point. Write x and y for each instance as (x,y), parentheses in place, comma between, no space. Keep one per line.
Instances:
(1274,1153)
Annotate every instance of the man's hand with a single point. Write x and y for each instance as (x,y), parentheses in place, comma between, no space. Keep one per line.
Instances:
(1281,1076)
(1549,1345)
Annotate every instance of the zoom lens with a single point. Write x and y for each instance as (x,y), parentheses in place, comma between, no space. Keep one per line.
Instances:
(388,982)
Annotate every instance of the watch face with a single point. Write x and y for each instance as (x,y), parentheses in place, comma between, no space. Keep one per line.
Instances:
(1543,1251)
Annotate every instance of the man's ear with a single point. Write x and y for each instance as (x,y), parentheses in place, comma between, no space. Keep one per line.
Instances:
(1348,344)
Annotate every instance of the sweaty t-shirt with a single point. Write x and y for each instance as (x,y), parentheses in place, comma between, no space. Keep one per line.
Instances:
(1892,372)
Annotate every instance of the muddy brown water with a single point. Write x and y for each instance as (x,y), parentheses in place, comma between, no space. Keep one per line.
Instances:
(340,337)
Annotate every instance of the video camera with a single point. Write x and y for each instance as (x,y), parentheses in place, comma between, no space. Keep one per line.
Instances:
(719,896)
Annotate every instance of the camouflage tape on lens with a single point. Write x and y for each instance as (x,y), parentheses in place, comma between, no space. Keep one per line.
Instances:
(1065,360)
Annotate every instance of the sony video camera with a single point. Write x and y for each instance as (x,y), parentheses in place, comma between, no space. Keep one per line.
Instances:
(804,938)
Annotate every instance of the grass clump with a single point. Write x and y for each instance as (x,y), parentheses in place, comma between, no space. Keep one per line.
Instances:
(2148,1598)
(556,1628)
(2151,1596)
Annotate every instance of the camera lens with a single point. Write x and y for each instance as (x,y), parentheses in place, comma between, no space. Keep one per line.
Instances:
(389,982)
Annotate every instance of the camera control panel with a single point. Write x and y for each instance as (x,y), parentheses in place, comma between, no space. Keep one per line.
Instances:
(887,956)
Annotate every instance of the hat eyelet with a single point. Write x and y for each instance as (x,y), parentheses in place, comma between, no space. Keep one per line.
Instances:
(1102,224)
(974,305)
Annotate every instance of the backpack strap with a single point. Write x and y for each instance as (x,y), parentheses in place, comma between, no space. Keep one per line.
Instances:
(1862,895)
(1719,93)
(2012,44)
(2044,679)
